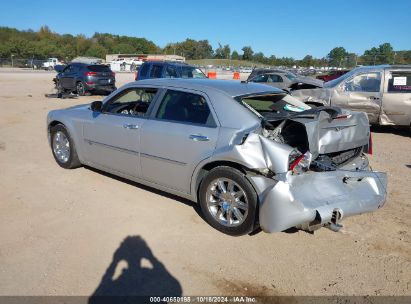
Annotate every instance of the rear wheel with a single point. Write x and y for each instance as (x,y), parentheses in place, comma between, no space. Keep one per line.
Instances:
(81,90)
(63,148)
(228,201)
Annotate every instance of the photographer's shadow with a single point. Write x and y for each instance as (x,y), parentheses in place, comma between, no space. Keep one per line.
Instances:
(135,271)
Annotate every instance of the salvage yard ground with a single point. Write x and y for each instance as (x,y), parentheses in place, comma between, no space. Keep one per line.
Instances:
(61,230)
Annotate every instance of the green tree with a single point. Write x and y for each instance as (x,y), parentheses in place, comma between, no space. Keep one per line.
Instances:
(337,56)
(235,55)
(307,61)
(247,53)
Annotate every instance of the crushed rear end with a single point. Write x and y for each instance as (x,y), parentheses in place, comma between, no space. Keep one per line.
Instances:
(311,169)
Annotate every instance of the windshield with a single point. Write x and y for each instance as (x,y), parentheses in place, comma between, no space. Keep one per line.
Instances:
(274,105)
(191,72)
(99,68)
(337,81)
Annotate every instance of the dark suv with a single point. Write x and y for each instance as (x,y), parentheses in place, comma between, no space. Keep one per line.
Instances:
(83,78)
(166,69)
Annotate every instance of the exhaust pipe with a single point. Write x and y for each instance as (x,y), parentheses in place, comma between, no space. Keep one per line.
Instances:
(334,227)
(336,217)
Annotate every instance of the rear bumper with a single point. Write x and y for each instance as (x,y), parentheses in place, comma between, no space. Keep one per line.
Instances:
(99,87)
(310,199)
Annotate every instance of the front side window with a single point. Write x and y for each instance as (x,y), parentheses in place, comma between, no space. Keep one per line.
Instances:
(191,72)
(156,71)
(260,78)
(171,72)
(185,107)
(367,82)
(399,82)
(133,101)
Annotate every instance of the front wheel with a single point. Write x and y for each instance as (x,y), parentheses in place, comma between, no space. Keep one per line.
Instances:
(63,148)
(228,201)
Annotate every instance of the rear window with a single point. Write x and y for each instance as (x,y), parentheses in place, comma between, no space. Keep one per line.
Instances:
(399,82)
(99,68)
(274,105)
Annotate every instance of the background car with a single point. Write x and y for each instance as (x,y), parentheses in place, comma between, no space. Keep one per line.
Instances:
(285,80)
(332,75)
(251,155)
(83,78)
(166,69)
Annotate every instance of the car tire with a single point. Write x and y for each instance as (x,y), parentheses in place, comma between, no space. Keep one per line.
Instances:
(232,210)
(81,90)
(63,148)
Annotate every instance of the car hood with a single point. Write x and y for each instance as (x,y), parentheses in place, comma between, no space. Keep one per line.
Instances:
(309,80)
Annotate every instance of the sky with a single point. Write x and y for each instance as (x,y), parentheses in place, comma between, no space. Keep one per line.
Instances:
(281,28)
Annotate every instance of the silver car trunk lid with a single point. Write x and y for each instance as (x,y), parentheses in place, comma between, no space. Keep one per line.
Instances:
(327,130)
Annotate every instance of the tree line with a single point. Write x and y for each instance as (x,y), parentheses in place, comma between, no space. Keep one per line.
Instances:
(44,43)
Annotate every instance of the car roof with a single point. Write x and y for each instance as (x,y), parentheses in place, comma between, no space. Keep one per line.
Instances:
(168,62)
(232,88)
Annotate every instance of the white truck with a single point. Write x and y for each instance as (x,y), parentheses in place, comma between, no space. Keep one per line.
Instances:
(51,63)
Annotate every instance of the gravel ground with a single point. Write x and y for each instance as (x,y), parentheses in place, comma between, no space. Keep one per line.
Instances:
(82,232)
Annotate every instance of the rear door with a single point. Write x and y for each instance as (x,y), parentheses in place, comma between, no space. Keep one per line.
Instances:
(396,102)
(363,93)
(181,133)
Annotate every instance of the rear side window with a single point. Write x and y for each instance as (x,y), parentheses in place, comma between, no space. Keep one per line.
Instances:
(185,107)
(144,70)
(399,82)
(99,68)
(171,72)
(274,78)
(156,71)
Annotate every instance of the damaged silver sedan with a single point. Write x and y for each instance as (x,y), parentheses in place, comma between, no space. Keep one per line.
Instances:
(251,155)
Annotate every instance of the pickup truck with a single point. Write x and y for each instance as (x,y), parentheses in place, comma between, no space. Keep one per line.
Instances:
(51,63)
(383,92)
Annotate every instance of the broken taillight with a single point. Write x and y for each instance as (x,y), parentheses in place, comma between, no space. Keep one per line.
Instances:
(299,163)
(370,145)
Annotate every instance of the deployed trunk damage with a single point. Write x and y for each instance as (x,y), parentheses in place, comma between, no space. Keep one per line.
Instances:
(332,179)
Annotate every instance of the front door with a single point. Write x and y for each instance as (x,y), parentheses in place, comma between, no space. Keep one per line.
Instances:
(182,133)
(363,92)
(112,138)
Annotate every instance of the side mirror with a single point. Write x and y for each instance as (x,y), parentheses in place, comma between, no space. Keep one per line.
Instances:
(96,106)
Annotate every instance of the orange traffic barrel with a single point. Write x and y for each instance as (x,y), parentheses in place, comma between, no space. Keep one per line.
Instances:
(236,75)
(212,75)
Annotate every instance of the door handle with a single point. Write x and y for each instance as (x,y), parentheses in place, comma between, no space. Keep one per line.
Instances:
(130,127)
(198,137)
(373,98)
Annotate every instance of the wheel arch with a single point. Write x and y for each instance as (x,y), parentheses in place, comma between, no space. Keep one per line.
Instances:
(71,131)
(203,169)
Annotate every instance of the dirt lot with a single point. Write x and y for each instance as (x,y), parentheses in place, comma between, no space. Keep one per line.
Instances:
(70,232)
